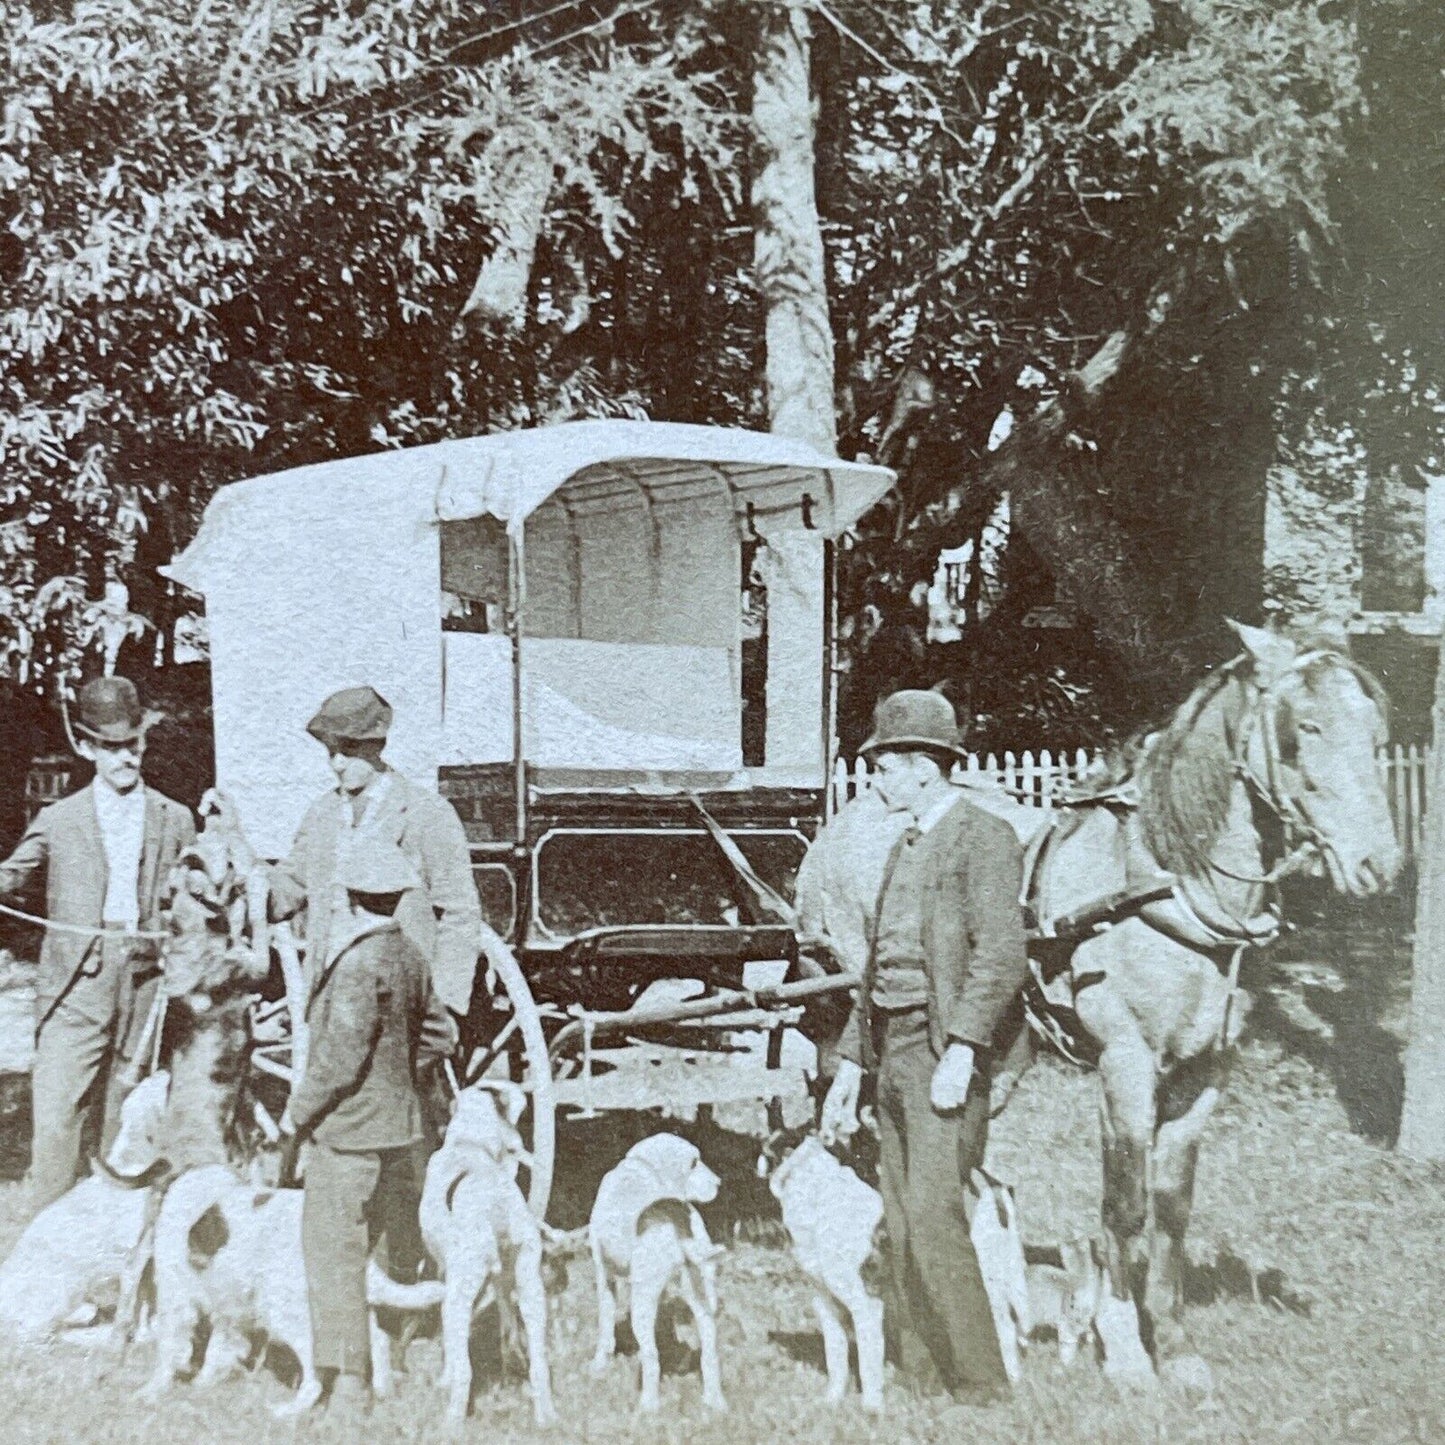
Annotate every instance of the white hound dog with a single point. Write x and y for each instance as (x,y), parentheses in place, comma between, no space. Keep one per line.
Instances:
(646,1231)
(485,1240)
(833,1219)
(80,1245)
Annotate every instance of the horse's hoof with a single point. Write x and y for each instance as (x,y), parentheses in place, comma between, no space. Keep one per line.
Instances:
(1191,1375)
(1170,1338)
(1132,1377)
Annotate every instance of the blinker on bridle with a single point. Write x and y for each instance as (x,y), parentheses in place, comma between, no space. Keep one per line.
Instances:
(1302,840)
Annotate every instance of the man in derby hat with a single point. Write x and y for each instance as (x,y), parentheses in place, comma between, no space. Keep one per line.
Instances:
(376,1024)
(106,853)
(946,956)
(442,913)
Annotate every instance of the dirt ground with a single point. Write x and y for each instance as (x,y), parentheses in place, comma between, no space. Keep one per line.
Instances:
(1315,1273)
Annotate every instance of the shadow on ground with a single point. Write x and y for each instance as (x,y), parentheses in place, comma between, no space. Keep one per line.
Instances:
(1362,950)
(1228,1277)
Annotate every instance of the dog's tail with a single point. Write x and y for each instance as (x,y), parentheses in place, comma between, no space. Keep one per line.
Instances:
(382,1290)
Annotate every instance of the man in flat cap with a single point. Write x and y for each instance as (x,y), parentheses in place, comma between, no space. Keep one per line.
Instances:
(442,913)
(945,959)
(373,1019)
(106,853)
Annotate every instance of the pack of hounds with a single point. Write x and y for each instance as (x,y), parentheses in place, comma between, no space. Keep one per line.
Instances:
(204,1256)
(225,1253)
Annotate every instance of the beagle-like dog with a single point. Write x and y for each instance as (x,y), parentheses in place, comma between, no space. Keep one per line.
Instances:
(645,1231)
(484,1239)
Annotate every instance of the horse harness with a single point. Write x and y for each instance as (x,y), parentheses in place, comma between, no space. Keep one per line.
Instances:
(1185,908)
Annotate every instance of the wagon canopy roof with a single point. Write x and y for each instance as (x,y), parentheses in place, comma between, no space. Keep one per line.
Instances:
(590,466)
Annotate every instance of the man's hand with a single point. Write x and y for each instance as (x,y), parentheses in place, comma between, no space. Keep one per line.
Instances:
(840,1107)
(951,1078)
(287,1123)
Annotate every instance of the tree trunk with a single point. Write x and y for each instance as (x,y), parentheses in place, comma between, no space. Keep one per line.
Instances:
(793,283)
(788,249)
(1422,1124)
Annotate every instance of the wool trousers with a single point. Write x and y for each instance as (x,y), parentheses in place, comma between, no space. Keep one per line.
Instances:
(939,1318)
(82,1070)
(351,1201)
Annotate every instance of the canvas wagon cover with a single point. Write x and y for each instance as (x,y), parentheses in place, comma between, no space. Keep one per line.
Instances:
(328,576)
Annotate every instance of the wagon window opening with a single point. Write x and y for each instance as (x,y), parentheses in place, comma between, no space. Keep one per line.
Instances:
(631,656)
(473,575)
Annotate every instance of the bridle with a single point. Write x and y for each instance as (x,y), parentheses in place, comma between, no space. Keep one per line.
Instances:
(1270,790)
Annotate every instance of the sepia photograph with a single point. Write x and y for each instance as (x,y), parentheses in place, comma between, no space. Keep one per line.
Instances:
(716,721)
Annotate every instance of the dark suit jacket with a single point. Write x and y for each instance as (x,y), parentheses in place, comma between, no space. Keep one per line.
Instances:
(973,934)
(64,842)
(426,828)
(375,1024)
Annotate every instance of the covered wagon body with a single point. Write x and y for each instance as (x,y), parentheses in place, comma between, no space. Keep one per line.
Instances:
(558,620)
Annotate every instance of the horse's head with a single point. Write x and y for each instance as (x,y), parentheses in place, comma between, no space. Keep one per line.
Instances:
(1311,754)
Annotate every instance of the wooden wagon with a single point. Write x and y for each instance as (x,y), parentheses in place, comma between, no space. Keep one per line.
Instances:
(569,625)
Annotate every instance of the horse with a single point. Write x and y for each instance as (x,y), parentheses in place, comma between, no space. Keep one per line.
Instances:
(1146,896)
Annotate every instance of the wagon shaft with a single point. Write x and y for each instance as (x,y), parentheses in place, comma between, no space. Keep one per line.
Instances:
(591,1025)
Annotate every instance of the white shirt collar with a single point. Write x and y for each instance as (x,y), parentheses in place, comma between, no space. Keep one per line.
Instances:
(937,809)
(372,796)
(112,802)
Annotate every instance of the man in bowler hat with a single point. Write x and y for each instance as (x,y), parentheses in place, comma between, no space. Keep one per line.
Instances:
(372,1015)
(442,912)
(106,853)
(946,956)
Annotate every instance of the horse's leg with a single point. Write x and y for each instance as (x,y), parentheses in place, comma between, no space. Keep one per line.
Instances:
(1127,1071)
(1186,1104)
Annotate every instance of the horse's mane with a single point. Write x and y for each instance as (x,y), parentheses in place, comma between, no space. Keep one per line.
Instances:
(1186,778)
(1186,773)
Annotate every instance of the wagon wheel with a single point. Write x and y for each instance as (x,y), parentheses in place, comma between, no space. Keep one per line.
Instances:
(524,1025)
(288,1059)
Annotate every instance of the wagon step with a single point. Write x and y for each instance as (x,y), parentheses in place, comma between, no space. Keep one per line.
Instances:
(641,1077)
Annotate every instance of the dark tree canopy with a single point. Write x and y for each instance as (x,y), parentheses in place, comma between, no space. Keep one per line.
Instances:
(242,238)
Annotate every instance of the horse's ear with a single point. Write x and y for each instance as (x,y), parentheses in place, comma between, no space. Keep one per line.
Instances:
(1271,652)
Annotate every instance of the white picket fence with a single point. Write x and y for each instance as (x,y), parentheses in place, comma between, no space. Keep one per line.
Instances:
(1037,780)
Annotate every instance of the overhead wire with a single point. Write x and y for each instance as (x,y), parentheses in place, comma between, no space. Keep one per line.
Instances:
(876,55)
(533,52)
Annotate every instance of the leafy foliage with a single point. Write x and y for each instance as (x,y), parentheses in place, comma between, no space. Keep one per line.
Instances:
(242,238)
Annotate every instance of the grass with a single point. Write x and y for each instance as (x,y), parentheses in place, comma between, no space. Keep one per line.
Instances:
(1316,1275)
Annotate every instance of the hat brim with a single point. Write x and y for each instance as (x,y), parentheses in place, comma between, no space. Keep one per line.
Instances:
(117,732)
(910,744)
(329,737)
